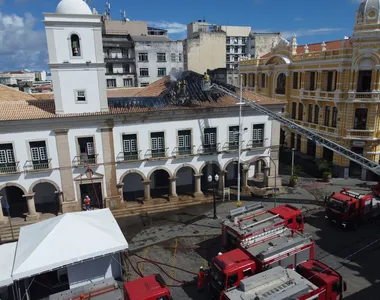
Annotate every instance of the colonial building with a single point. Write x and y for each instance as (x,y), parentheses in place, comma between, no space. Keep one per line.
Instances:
(330,87)
(120,145)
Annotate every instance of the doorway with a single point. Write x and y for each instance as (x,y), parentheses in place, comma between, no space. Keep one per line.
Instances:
(94,192)
(356,169)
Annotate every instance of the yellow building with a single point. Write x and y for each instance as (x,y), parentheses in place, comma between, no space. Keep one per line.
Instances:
(332,88)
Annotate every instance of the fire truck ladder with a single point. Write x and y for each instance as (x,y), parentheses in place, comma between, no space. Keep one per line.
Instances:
(248,242)
(311,135)
(271,218)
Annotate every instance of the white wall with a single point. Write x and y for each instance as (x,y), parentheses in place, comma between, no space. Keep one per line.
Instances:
(94,270)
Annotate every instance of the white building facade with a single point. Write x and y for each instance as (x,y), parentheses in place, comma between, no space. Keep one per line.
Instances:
(53,153)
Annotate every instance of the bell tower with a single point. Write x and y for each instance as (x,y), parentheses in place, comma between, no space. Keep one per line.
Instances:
(76,60)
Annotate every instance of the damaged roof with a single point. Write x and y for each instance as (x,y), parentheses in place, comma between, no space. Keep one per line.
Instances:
(182,91)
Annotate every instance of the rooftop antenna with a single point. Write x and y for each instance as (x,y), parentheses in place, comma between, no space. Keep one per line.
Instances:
(107,12)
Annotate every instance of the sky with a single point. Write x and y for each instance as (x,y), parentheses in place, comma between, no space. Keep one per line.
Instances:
(23,41)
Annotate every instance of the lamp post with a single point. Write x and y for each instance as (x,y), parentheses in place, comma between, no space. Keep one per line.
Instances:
(275,181)
(240,103)
(214,183)
(292,162)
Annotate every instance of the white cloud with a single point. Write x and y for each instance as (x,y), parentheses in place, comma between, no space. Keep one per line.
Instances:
(308,32)
(171,27)
(21,46)
(298,19)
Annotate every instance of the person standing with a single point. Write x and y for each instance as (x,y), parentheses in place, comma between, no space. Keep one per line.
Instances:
(87,203)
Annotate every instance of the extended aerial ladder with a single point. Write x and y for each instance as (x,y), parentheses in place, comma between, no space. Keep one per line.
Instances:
(310,134)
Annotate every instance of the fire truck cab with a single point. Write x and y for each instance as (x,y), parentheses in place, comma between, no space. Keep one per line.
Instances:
(257,254)
(349,208)
(280,283)
(248,221)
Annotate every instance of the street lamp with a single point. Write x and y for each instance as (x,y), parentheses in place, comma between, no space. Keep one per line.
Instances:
(216,177)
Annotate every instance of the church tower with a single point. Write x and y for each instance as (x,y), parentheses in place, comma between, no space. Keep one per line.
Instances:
(76,60)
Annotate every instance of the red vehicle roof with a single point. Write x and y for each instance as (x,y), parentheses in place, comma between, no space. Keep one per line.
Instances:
(144,288)
(316,269)
(341,197)
(235,258)
(285,211)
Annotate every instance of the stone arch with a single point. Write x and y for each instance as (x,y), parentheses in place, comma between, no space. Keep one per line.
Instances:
(130,172)
(185,166)
(228,162)
(57,188)
(280,82)
(368,54)
(14,184)
(278,59)
(159,168)
(210,162)
(75,44)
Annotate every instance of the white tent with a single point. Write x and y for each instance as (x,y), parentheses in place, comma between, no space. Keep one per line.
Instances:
(65,240)
(7,254)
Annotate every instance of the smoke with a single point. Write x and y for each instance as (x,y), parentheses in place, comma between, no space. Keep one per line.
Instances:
(172,77)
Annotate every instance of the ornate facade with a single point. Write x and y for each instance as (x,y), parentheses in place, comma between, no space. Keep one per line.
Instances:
(332,88)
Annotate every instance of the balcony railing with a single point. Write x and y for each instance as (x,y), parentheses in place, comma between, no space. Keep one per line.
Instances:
(182,151)
(209,149)
(124,72)
(254,144)
(156,154)
(232,147)
(84,160)
(34,166)
(9,168)
(365,96)
(128,156)
(119,58)
(361,133)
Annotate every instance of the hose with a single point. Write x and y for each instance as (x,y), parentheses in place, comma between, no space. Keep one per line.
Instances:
(163,271)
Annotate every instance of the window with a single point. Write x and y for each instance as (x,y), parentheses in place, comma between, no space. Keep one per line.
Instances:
(180,57)
(243,50)
(144,72)
(236,49)
(300,111)
(294,110)
(128,82)
(327,115)
(75,45)
(299,219)
(258,135)
(263,80)
(330,75)
(111,82)
(233,137)
(243,40)
(312,81)
(310,113)
(209,140)
(143,56)
(236,41)
(109,68)
(144,84)
(126,69)
(161,57)
(80,96)
(247,273)
(130,146)
(7,159)
(295,80)
(124,53)
(161,72)
(228,49)
(184,142)
(364,81)
(316,114)
(290,221)
(172,57)
(334,117)
(38,155)
(228,40)
(86,150)
(232,279)
(158,144)
(360,121)
(281,83)
(298,146)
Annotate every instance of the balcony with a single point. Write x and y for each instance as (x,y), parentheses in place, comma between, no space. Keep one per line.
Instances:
(209,150)
(182,151)
(84,160)
(252,144)
(118,59)
(232,147)
(156,154)
(9,168)
(124,72)
(128,156)
(33,166)
(365,96)
(360,134)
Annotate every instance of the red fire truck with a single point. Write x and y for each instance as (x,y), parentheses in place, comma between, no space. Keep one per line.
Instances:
(348,208)
(247,221)
(257,254)
(310,280)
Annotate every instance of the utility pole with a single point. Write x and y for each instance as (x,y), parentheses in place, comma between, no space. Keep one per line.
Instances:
(241,103)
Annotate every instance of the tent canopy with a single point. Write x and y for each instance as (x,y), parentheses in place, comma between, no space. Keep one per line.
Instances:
(65,240)
(7,254)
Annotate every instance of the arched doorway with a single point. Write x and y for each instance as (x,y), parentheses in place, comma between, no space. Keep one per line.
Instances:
(160,184)
(231,177)
(133,187)
(209,168)
(281,84)
(45,198)
(185,182)
(12,197)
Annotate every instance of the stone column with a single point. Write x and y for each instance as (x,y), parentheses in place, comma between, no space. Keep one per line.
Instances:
(109,163)
(147,190)
(60,200)
(65,170)
(173,188)
(197,189)
(222,180)
(3,219)
(244,182)
(120,187)
(32,214)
